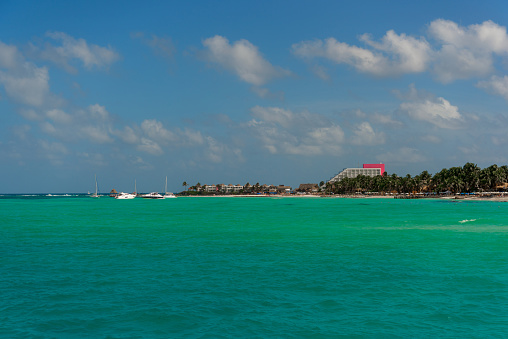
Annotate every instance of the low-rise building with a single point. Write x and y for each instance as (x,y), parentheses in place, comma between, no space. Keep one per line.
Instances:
(308,188)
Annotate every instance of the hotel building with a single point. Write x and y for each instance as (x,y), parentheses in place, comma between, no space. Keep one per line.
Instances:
(370,170)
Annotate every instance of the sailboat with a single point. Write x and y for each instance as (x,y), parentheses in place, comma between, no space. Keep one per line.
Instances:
(95,195)
(168,194)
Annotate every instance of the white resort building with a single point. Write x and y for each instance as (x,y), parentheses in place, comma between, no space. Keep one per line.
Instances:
(370,170)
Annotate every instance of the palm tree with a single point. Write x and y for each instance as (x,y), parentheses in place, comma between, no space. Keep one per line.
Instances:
(471,177)
(247,187)
(184,184)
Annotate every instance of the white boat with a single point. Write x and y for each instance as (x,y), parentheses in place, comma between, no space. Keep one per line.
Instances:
(95,195)
(125,196)
(168,194)
(153,195)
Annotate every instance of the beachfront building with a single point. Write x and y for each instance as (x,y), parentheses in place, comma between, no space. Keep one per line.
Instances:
(308,188)
(221,188)
(370,170)
(235,189)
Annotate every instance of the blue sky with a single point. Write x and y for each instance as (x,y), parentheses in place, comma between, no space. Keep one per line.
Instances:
(273,92)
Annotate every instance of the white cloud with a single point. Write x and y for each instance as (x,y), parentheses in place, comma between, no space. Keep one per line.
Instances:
(386,120)
(487,36)
(155,130)
(394,55)
(467,51)
(92,124)
(284,132)
(215,150)
(437,111)
(59,116)
(98,134)
(496,85)
(95,124)
(149,146)
(273,115)
(459,53)
(28,86)
(191,137)
(365,135)
(92,56)
(321,72)
(9,56)
(98,113)
(48,128)
(243,59)
(127,135)
(29,114)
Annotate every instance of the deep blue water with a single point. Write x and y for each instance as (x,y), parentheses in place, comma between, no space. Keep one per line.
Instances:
(252,268)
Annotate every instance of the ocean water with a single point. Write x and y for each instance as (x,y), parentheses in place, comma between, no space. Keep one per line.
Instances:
(76,267)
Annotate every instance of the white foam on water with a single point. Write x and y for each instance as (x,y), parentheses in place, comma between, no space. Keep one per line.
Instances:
(466,220)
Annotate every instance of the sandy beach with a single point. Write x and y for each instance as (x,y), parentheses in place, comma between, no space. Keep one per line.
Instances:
(503,198)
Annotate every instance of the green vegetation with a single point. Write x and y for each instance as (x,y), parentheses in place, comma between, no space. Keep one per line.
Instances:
(467,179)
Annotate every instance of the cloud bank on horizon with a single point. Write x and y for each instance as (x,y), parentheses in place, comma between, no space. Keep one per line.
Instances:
(416,120)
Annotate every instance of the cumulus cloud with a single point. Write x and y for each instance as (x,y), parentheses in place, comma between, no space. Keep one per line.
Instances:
(243,59)
(152,137)
(439,112)
(149,146)
(467,51)
(128,135)
(23,81)
(435,110)
(92,124)
(155,130)
(365,135)
(27,85)
(9,56)
(496,85)
(285,132)
(393,55)
(59,116)
(90,55)
(458,53)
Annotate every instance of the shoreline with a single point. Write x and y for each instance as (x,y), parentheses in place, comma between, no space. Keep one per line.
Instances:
(337,196)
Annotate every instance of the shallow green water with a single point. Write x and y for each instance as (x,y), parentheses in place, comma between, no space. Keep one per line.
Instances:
(252,267)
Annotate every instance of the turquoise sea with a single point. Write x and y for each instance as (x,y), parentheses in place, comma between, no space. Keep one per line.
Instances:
(77,267)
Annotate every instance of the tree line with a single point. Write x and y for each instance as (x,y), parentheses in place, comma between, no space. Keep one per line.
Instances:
(467,179)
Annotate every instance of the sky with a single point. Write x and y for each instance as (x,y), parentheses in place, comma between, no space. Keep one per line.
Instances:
(230,92)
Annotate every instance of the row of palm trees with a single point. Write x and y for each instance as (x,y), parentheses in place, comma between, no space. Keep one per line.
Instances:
(466,179)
